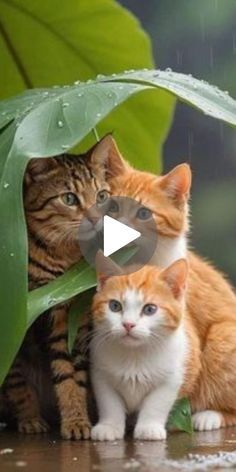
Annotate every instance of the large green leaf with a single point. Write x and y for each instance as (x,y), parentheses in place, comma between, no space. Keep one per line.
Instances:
(13,280)
(54,42)
(46,123)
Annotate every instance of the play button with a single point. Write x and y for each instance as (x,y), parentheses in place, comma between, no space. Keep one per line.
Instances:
(116,235)
(119,224)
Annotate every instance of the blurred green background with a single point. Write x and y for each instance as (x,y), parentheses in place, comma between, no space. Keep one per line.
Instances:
(199,38)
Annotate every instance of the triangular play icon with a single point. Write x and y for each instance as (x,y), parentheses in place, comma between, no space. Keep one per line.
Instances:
(116,235)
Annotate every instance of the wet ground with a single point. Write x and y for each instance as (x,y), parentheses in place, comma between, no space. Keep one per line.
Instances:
(214,450)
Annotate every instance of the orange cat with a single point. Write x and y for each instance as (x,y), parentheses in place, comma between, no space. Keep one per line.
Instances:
(147,351)
(211,301)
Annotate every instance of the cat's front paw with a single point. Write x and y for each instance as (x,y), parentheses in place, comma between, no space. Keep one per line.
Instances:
(107,432)
(33,426)
(75,429)
(150,432)
(207,420)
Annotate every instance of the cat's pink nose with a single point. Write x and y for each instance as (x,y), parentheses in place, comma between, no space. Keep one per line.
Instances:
(128,326)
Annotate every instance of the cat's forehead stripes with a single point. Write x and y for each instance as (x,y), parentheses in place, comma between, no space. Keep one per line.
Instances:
(132,299)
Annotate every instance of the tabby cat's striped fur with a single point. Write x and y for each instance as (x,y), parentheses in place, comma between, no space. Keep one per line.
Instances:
(57,191)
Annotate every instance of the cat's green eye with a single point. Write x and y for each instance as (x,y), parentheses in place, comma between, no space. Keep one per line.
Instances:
(102,196)
(149,309)
(70,199)
(143,213)
(115,306)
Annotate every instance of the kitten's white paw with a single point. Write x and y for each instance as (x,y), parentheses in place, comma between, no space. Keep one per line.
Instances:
(207,420)
(107,432)
(150,432)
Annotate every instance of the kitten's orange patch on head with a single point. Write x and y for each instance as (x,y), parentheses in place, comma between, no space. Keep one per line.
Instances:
(166,196)
(163,288)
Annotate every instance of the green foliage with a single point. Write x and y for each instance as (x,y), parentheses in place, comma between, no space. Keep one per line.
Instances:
(180,416)
(46,123)
(54,42)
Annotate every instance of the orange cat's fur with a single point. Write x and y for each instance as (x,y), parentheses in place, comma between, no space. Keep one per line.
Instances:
(211,302)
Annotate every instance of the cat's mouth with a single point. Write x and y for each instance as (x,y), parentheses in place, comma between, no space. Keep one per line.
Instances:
(129,338)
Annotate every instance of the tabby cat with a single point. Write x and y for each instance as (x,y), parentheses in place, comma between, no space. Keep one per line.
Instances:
(57,192)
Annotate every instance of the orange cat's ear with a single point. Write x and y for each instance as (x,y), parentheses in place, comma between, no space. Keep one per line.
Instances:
(177,182)
(106,152)
(105,268)
(175,276)
(38,167)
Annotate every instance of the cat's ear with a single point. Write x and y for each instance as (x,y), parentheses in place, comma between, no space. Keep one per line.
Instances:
(38,168)
(176,276)
(105,268)
(106,153)
(177,182)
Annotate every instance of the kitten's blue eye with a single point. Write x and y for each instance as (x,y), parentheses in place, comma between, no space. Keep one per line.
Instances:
(70,199)
(144,213)
(115,306)
(113,206)
(149,309)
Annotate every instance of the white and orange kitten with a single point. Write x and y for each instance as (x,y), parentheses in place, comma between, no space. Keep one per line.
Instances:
(139,349)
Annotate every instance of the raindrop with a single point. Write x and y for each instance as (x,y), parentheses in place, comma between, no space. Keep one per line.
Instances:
(179,57)
(6,185)
(113,75)
(77,82)
(100,76)
(65,146)
(12,254)
(51,301)
(195,86)
(65,104)
(110,95)
(89,81)
(121,87)
(4,113)
(81,94)
(60,124)
(45,94)
(226,92)
(98,115)
(145,69)
(211,57)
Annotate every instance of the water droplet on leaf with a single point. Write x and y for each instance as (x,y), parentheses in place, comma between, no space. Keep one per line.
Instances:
(6,185)
(60,124)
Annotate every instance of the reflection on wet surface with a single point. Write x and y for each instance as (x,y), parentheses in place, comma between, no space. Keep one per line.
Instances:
(49,453)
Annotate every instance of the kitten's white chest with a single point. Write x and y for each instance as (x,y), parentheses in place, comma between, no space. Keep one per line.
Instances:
(135,374)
